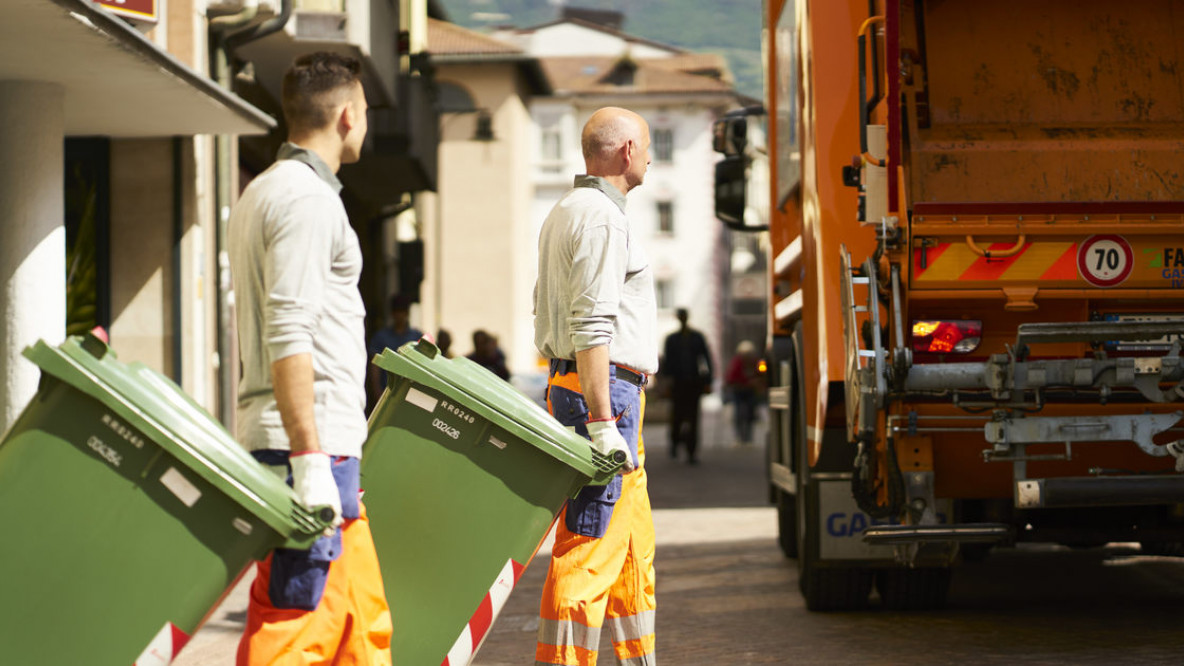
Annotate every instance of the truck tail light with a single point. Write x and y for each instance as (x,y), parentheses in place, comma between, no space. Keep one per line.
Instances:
(952,336)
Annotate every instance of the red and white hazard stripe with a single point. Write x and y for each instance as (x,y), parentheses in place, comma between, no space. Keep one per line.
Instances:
(470,638)
(164,648)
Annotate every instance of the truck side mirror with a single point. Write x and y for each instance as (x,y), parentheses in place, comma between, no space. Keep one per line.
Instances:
(742,159)
(731,191)
(730,135)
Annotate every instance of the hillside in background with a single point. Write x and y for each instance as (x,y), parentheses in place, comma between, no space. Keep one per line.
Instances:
(731,28)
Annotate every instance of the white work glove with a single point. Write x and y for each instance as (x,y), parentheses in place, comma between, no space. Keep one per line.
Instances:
(606,439)
(312,479)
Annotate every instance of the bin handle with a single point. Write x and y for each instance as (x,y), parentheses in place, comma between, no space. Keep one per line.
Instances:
(310,523)
(426,347)
(997,254)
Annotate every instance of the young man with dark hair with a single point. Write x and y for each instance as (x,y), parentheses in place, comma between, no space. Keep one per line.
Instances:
(296,263)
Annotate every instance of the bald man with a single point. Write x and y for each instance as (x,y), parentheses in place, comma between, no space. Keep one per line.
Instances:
(594,320)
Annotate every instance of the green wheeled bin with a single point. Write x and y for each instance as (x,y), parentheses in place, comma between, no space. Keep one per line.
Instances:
(463,478)
(127,512)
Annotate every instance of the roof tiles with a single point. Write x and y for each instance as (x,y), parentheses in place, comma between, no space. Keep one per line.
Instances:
(600,75)
(450,39)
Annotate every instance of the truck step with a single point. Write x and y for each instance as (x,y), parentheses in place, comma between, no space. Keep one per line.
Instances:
(889,535)
(1095,331)
(1099,491)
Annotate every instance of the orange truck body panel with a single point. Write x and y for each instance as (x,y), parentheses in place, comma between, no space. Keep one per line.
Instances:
(1030,139)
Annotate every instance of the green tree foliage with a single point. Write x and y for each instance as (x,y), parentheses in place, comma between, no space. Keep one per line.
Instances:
(81,260)
(731,28)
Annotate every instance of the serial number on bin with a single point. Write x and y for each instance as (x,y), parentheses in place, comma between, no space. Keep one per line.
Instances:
(457,411)
(446,429)
(105,452)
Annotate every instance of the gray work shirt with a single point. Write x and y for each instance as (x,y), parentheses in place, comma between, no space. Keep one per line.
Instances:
(296,263)
(595,286)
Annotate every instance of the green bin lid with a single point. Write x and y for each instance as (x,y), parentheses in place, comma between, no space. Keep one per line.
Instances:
(158,408)
(497,401)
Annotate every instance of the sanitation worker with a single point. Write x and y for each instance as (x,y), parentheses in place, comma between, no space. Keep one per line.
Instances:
(595,321)
(296,262)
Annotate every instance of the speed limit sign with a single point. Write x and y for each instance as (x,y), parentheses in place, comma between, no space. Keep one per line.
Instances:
(1105,260)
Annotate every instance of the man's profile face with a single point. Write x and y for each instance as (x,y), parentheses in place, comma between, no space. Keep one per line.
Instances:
(352,149)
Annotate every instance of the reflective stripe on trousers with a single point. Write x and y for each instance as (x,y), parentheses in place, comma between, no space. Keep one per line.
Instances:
(593,582)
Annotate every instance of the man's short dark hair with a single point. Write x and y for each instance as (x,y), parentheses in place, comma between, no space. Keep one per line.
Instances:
(312,88)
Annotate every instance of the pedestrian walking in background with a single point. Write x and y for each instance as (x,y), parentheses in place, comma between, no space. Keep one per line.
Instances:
(301,323)
(398,333)
(594,321)
(488,355)
(686,365)
(746,387)
(444,343)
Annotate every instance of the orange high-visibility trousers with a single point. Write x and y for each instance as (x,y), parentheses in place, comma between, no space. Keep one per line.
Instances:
(596,581)
(351,625)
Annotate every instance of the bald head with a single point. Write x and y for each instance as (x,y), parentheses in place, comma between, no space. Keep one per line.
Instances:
(616,145)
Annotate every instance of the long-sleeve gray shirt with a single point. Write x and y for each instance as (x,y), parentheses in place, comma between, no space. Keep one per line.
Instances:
(296,263)
(595,286)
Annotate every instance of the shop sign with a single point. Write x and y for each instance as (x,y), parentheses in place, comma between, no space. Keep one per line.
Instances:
(141,10)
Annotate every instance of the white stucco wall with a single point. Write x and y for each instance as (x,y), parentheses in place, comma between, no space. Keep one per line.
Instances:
(476,228)
(141,252)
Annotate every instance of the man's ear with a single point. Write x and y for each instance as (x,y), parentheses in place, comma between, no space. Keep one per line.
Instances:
(347,117)
(628,153)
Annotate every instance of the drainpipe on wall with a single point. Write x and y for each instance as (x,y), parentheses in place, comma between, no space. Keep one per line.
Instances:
(226,33)
(274,24)
(178,237)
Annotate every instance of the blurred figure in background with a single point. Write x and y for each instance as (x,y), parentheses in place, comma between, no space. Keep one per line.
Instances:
(398,333)
(487,354)
(444,342)
(686,364)
(746,385)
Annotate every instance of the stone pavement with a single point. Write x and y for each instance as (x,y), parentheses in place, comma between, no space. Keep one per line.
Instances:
(701,514)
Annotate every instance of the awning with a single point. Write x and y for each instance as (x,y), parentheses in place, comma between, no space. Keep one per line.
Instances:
(117,83)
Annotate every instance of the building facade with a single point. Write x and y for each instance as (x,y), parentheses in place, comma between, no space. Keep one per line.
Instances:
(680,94)
(121,124)
(510,146)
(478,226)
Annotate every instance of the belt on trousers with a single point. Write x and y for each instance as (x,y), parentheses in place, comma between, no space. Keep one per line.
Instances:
(561,366)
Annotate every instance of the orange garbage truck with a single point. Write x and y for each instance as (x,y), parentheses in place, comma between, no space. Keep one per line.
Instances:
(976,259)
